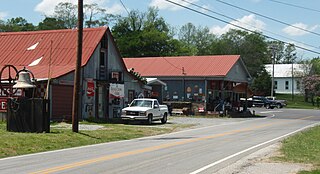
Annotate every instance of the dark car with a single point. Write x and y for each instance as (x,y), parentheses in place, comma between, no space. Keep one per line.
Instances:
(261,101)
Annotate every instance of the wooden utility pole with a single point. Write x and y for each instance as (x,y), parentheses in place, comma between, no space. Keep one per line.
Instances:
(76,87)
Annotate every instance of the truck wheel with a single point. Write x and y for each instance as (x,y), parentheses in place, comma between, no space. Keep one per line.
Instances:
(267,106)
(279,105)
(164,119)
(149,121)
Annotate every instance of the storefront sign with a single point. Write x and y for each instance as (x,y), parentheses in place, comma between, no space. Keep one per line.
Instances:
(90,88)
(3,105)
(116,90)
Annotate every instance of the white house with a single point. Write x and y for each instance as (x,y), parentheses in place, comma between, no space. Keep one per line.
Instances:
(287,77)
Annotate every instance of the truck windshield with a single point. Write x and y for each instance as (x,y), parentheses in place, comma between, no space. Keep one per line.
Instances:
(141,103)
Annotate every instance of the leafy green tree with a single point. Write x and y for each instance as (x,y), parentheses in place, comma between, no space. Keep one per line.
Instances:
(17,24)
(316,65)
(289,54)
(51,24)
(252,47)
(144,34)
(262,83)
(198,40)
(276,51)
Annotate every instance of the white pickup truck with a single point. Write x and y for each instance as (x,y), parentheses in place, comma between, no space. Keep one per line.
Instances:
(145,110)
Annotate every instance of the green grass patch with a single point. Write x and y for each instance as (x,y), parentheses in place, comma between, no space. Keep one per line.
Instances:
(303,147)
(60,137)
(296,102)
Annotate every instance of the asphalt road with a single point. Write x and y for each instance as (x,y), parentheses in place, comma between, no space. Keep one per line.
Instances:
(201,150)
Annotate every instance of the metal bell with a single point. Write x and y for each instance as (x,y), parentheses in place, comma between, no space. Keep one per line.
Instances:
(24,81)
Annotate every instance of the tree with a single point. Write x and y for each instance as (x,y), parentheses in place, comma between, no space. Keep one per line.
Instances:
(51,24)
(198,40)
(283,53)
(144,34)
(316,65)
(311,85)
(17,24)
(262,83)
(289,54)
(66,12)
(93,14)
(276,50)
(252,47)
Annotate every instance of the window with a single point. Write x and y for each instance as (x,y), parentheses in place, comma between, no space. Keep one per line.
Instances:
(298,84)
(287,85)
(130,95)
(102,55)
(275,84)
(116,76)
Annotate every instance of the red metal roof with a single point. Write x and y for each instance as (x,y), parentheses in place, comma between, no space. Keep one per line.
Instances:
(192,66)
(59,45)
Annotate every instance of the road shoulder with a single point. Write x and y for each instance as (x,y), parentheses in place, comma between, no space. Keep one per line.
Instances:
(261,162)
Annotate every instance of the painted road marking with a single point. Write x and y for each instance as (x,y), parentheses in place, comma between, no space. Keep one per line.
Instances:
(153,148)
(253,147)
(139,151)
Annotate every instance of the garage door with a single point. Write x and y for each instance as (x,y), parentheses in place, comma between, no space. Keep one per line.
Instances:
(62,102)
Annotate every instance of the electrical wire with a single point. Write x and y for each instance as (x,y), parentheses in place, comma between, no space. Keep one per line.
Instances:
(248,24)
(264,16)
(173,64)
(210,16)
(297,6)
(125,7)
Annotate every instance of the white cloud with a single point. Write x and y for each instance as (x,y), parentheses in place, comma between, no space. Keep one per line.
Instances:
(3,15)
(47,6)
(164,5)
(250,22)
(292,31)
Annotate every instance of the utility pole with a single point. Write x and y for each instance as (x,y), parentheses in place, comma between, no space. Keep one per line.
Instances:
(273,61)
(292,75)
(76,86)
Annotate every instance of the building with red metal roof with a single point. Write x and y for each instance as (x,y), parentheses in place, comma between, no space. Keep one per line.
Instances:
(52,55)
(205,79)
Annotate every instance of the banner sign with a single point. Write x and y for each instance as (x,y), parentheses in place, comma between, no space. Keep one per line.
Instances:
(116,90)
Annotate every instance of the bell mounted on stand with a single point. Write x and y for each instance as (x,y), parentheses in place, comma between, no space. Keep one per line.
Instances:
(24,80)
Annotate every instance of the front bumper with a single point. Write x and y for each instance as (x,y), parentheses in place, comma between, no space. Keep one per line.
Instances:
(130,117)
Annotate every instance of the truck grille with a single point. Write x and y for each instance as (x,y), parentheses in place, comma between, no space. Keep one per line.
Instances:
(134,113)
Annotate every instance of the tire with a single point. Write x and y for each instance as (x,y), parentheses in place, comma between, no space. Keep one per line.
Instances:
(149,121)
(267,106)
(164,118)
(279,106)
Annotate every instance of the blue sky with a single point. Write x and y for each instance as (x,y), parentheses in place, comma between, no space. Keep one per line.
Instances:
(35,10)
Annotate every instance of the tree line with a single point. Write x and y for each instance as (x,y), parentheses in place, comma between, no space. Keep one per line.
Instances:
(146,34)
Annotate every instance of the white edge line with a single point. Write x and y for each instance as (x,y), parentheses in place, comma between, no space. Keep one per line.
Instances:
(250,148)
(113,142)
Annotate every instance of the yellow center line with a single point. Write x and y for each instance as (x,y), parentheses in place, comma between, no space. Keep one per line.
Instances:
(148,149)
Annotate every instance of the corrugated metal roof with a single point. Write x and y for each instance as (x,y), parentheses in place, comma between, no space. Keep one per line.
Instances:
(285,70)
(22,48)
(192,66)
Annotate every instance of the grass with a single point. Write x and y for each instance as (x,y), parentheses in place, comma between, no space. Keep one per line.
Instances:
(303,147)
(13,143)
(296,102)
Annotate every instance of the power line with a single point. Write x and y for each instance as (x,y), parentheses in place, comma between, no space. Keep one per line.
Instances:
(210,16)
(248,24)
(264,16)
(125,7)
(297,6)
